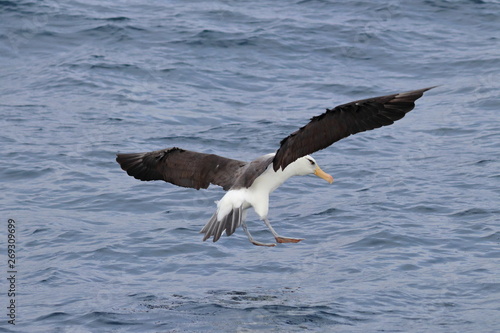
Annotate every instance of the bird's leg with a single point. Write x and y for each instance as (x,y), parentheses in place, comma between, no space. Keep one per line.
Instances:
(250,238)
(281,239)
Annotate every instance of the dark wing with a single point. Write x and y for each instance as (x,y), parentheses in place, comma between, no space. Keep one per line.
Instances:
(342,121)
(182,167)
(253,170)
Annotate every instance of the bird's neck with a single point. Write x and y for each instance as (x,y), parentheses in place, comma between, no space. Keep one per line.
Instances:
(271,179)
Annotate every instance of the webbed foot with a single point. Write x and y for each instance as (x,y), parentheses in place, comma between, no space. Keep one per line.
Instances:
(280,239)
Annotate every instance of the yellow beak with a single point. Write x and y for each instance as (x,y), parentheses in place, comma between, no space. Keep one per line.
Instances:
(321,174)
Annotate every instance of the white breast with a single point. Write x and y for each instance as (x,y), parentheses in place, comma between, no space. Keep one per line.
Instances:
(256,195)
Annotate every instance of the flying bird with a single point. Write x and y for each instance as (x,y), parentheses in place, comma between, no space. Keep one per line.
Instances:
(248,184)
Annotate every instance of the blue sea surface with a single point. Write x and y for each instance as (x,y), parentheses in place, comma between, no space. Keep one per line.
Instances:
(407,238)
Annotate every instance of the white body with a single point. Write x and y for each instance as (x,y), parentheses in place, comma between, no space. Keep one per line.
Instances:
(257,195)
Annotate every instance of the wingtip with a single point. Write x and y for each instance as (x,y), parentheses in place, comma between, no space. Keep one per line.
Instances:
(429,88)
(417,91)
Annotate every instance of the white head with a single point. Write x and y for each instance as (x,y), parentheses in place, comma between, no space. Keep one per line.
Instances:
(307,165)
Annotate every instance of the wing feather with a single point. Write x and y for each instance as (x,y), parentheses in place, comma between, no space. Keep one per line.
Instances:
(182,167)
(342,121)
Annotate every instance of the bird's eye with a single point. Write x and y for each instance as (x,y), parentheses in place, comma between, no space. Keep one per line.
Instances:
(311,161)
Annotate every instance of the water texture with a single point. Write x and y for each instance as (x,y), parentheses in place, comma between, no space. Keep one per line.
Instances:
(407,239)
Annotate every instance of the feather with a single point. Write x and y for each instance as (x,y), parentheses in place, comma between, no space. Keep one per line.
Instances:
(342,121)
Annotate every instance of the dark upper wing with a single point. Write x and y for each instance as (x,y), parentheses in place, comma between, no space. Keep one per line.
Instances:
(253,170)
(182,167)
(342,121)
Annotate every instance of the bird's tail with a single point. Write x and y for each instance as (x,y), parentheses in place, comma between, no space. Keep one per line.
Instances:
(228,223)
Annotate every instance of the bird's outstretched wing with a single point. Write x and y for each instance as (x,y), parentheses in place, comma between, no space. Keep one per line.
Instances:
(182,167)
(342,121)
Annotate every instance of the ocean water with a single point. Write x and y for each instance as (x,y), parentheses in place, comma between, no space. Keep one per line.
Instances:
(407,239)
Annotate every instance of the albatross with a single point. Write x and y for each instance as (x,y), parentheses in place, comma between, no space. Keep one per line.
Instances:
(248,184)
